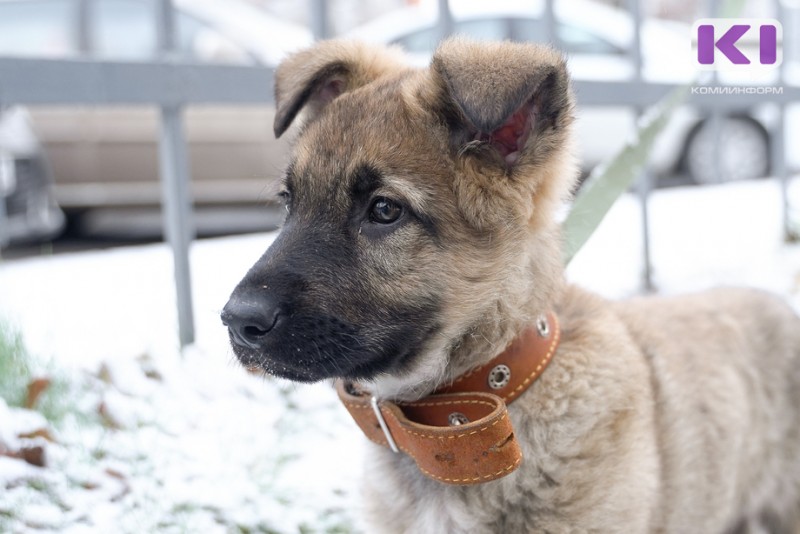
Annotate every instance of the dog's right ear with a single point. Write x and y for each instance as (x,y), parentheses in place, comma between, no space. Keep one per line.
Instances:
(508,97)
(311,79)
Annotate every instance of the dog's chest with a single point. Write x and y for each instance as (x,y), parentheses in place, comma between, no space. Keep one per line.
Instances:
(570,479)
(400,499)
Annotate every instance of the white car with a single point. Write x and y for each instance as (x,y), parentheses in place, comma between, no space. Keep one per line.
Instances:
(598,40)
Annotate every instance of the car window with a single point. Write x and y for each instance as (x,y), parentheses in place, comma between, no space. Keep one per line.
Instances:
(119,29)
(425,40)
(572,39)
(126,29)
(527,29)
(41,28)
(123,29)
(485,29)
(198,41)
(575,40)
(420,41)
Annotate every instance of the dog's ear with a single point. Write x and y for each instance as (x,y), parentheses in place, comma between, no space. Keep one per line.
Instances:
(501,95)
(314,77)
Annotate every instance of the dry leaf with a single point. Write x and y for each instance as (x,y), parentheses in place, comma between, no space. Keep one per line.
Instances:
(40,433)
(36,387)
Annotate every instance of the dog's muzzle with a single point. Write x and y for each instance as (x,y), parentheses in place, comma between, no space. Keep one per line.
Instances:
(250,318)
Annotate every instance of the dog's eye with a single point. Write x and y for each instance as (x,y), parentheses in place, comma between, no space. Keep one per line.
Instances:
(286,198)
(385,211)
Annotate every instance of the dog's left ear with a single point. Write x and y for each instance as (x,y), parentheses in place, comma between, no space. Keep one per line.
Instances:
(313,78)
(505,95)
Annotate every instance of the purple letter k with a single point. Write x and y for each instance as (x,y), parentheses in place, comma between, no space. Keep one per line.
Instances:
(726,44)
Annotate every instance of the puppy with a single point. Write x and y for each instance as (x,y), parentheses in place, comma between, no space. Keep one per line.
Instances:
(421,241)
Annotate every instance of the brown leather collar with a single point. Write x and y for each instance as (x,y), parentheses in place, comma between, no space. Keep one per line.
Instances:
(461,434)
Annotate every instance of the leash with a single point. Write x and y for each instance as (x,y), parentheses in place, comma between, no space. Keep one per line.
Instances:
(461,434)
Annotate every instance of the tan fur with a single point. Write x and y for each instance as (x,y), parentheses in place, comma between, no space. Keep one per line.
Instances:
(656,415)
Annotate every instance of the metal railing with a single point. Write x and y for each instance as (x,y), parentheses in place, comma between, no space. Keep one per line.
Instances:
(172,85)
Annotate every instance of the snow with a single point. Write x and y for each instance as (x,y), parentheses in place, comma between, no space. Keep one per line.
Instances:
(700,237)
(159,441)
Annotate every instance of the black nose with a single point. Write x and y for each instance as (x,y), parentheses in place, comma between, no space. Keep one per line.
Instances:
(250,318)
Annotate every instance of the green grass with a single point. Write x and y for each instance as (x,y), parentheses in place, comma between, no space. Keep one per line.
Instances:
(15,370)
(18,369)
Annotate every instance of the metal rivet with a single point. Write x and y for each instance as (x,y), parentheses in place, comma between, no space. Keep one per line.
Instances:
(542,326)
(499,376)
(457,418)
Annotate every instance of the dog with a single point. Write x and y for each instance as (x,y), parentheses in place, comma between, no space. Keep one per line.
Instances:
(422,238)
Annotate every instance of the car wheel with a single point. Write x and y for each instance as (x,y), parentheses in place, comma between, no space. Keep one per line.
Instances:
(743,151)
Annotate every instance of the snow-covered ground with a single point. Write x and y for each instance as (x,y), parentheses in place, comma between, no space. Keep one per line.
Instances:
(159,441)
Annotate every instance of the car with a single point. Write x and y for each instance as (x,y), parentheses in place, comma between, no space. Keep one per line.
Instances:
(598,40)
(28,209)
(107,157)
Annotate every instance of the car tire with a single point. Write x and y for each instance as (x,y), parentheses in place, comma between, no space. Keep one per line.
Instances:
(743,151)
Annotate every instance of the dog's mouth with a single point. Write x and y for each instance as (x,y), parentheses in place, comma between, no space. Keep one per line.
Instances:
(307,352)
(312,369)
(302,349)
(299,369)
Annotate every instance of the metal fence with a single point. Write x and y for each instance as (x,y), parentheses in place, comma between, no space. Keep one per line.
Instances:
(168,84)
(172,86)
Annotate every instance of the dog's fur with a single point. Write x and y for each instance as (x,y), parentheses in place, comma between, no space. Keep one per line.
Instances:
(670,415)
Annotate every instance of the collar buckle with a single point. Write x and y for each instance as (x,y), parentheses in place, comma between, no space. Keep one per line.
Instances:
(381,421)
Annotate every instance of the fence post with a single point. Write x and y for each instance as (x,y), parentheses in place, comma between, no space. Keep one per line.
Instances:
(320,23)
(81,27)
(4,238)
(645,182)
(444,23)
(177,212)
(550,36)
(175,176)
(778,138)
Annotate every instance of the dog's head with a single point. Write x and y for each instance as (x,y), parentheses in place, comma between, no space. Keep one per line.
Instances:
(420,210)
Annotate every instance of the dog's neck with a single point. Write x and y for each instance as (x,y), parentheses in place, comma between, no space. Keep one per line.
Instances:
(514,308)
